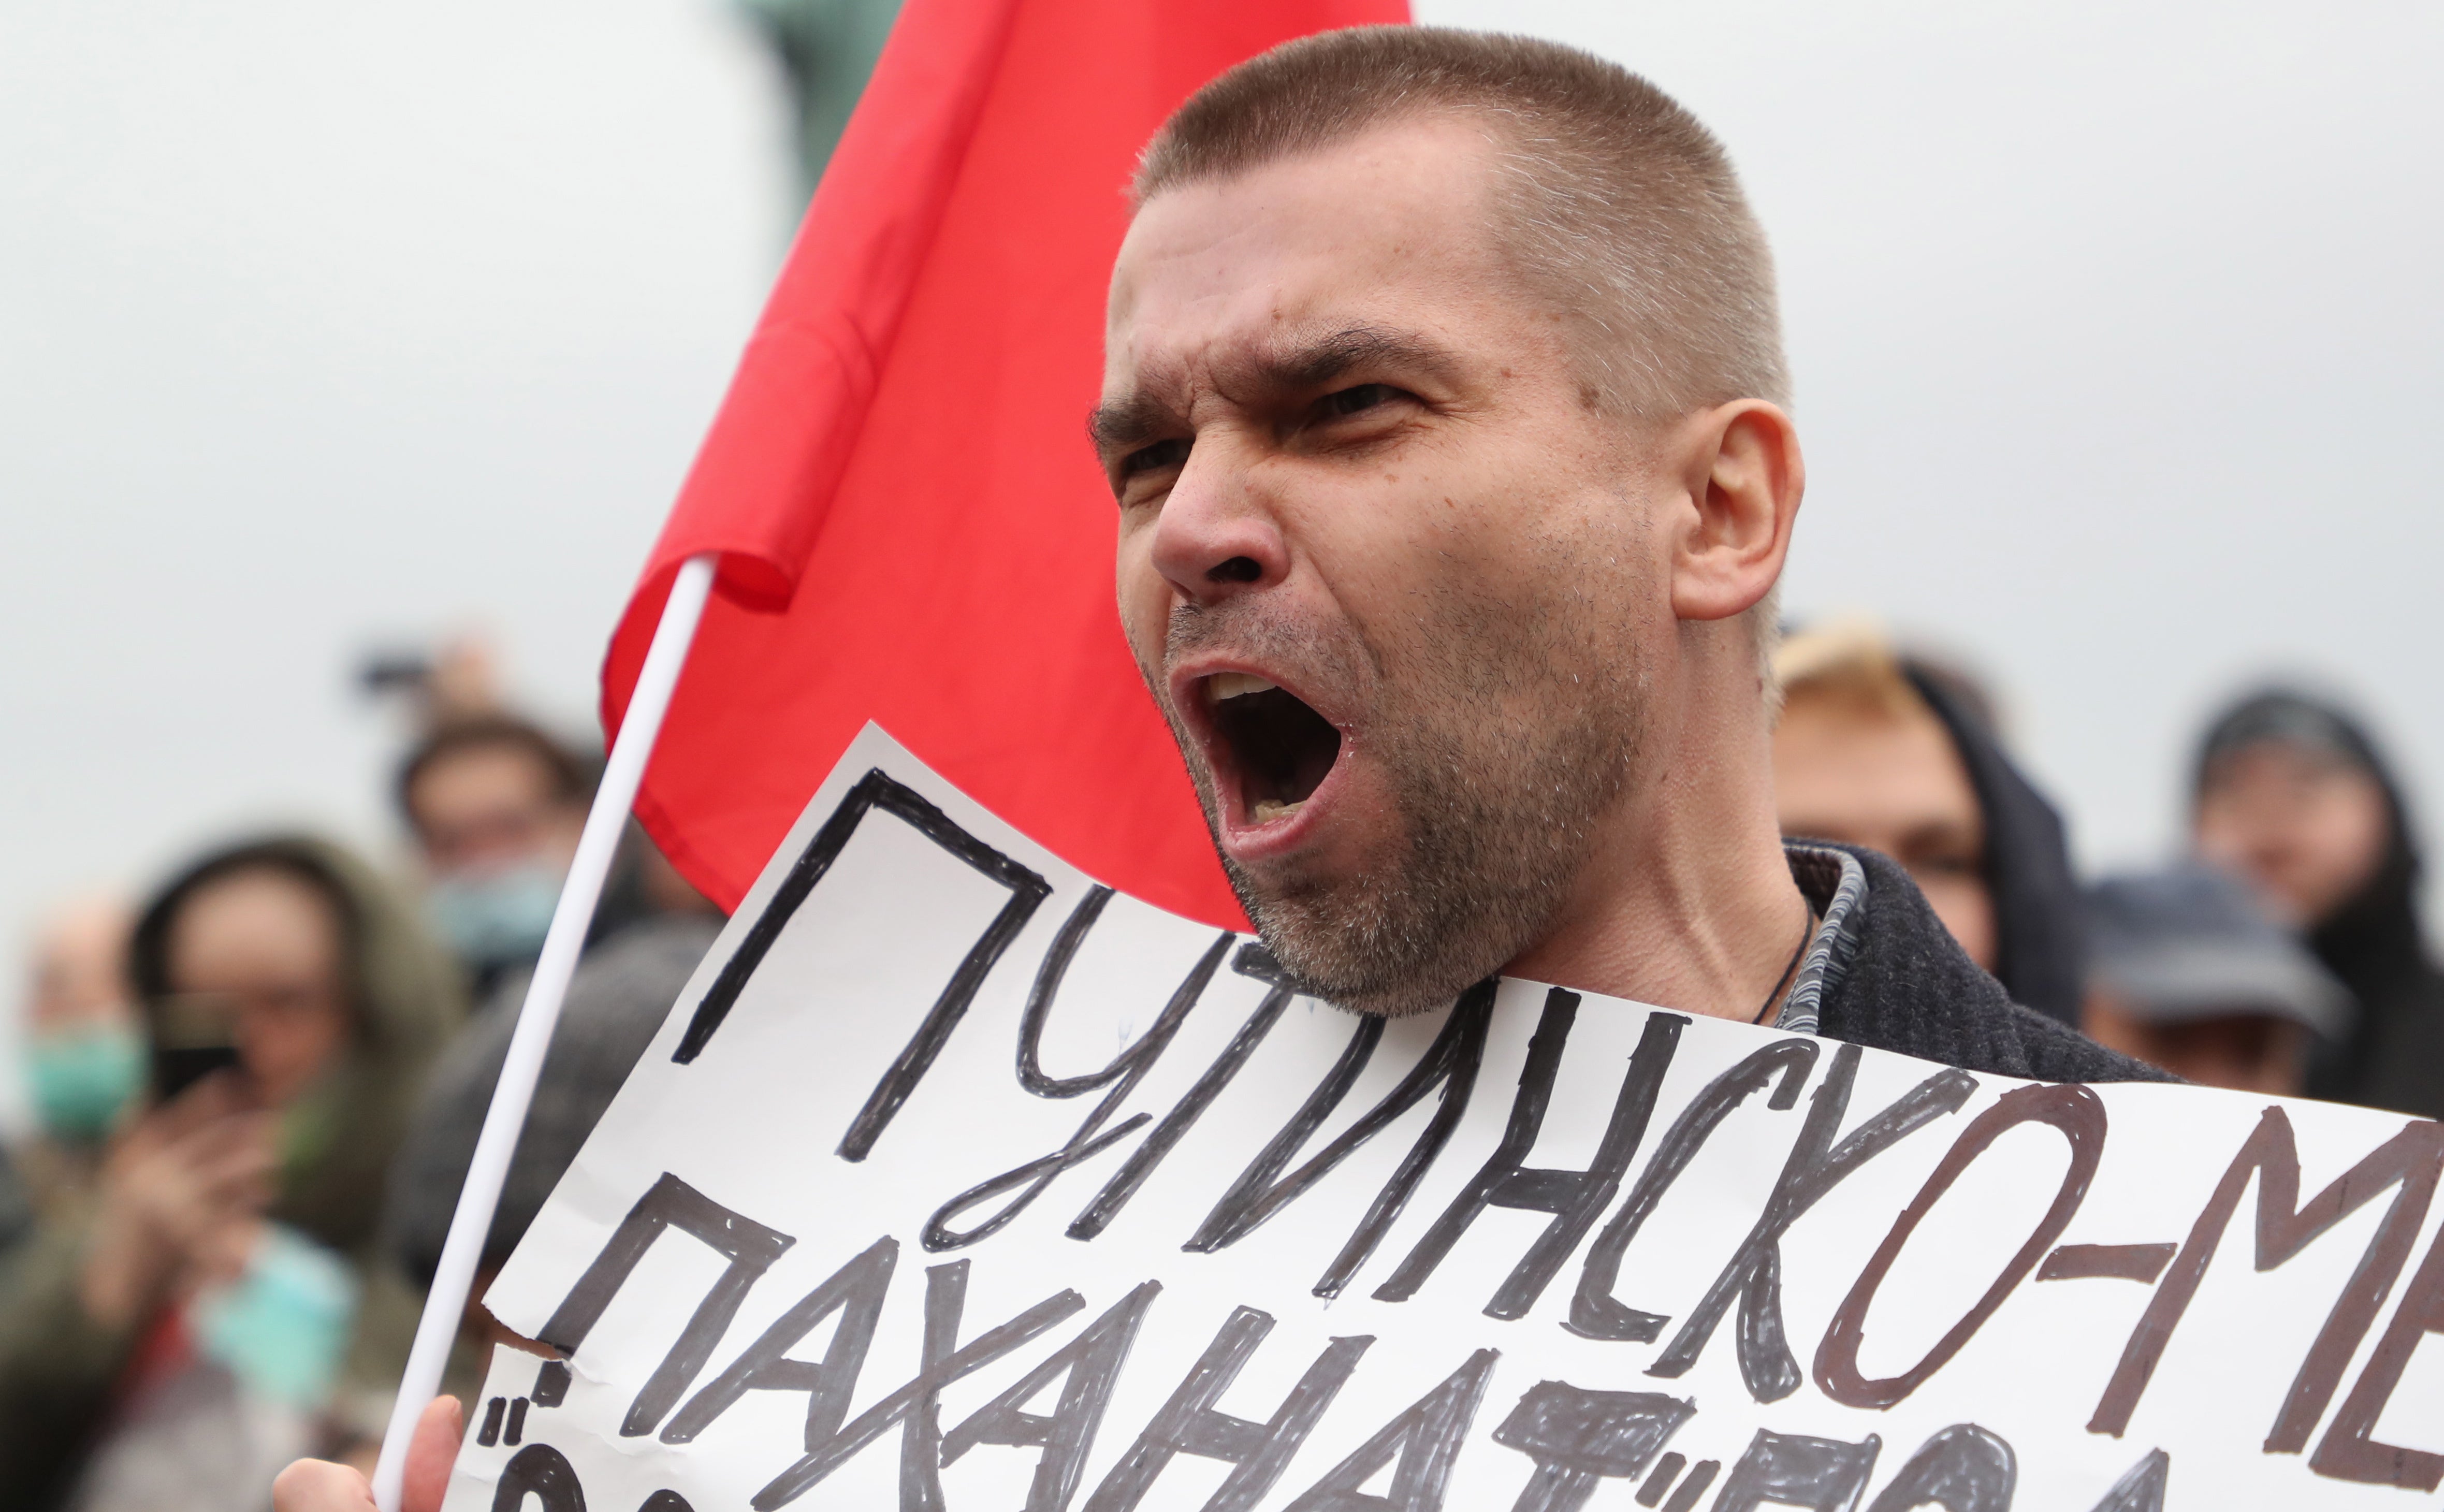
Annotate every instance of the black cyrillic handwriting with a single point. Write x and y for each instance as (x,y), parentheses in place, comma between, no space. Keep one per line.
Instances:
(1701,1475)
(1793,1470)
(2142,1488)
(1091,1367)
(542,1472)
(1650,1490)
(1815,1167)
(1450,1063)
(1579,1437)
(1189,1423)
(1427,1438)
(1140,1052)
(1595,1312)
(1252,960)
(670,1203)
(1961,1468)
(1574,1198)
(916,1404)
(875,790)
(1128,1068)
(856,1292)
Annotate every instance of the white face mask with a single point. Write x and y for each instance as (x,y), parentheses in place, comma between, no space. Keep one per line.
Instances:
(498,918)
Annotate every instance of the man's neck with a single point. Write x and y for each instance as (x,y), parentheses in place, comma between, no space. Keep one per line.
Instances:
(1685,900)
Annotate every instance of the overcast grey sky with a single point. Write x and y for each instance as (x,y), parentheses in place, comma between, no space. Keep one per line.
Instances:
(2117,332)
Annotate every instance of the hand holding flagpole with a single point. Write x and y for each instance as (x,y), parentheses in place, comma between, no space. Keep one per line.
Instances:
(446,1303)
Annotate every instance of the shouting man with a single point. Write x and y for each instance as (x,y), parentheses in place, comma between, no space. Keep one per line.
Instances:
(1443,403)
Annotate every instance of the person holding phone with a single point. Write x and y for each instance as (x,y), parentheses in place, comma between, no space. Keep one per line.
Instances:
(202,1316)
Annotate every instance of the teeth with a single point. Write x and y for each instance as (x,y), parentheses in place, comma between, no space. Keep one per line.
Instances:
(1267,810)
(1223,685)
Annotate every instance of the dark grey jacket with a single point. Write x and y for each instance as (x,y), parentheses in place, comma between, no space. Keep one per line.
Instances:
(1907,987)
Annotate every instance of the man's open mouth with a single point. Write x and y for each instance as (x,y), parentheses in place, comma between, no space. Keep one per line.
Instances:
(1279,749)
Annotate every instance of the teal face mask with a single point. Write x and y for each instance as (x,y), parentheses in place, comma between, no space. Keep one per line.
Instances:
(282,1328)
(497,919)
(84,1079)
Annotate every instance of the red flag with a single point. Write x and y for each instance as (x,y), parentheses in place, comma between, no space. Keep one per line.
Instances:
(911,524)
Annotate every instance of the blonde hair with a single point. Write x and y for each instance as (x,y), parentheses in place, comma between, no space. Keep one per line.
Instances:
(1848,666)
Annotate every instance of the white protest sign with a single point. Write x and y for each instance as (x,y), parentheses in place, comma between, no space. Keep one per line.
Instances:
(957,1182)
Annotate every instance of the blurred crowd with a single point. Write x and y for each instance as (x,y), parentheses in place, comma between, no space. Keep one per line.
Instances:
(257,1089)
(256,1093)
(2280,952)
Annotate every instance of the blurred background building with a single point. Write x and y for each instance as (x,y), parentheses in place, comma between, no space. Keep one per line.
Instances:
(825,48)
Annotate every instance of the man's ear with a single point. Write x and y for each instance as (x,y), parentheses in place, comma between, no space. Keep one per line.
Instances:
(1744,477)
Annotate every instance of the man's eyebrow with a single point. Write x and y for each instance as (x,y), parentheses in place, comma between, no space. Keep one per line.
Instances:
(1310,364)
(1124,424)
(1299,366)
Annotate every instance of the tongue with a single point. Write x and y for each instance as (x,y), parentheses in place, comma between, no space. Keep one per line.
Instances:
(1283,749)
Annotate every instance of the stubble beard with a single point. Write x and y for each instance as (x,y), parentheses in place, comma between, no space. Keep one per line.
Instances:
(1507,732)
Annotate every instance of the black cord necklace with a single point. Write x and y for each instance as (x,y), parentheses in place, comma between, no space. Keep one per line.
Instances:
(1772,995)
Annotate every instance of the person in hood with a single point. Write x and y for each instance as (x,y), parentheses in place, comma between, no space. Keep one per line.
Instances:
(1900,756)
(2291,793)
(214,1308)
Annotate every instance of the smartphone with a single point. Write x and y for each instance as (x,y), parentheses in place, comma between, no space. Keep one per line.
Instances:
(193,1036)
(395,671)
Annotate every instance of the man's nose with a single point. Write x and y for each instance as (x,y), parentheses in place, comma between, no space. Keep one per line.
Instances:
(1213,538)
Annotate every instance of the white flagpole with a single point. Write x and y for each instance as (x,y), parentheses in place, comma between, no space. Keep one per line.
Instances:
(446,1305)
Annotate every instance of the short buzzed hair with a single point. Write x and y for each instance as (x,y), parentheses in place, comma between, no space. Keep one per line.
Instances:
(1622,211)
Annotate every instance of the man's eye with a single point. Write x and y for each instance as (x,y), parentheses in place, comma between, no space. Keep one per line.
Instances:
(1354,400)
(1155,458)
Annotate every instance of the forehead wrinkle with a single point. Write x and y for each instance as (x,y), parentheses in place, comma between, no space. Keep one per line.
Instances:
(1154,403)
(1245,372)
(1290,363)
